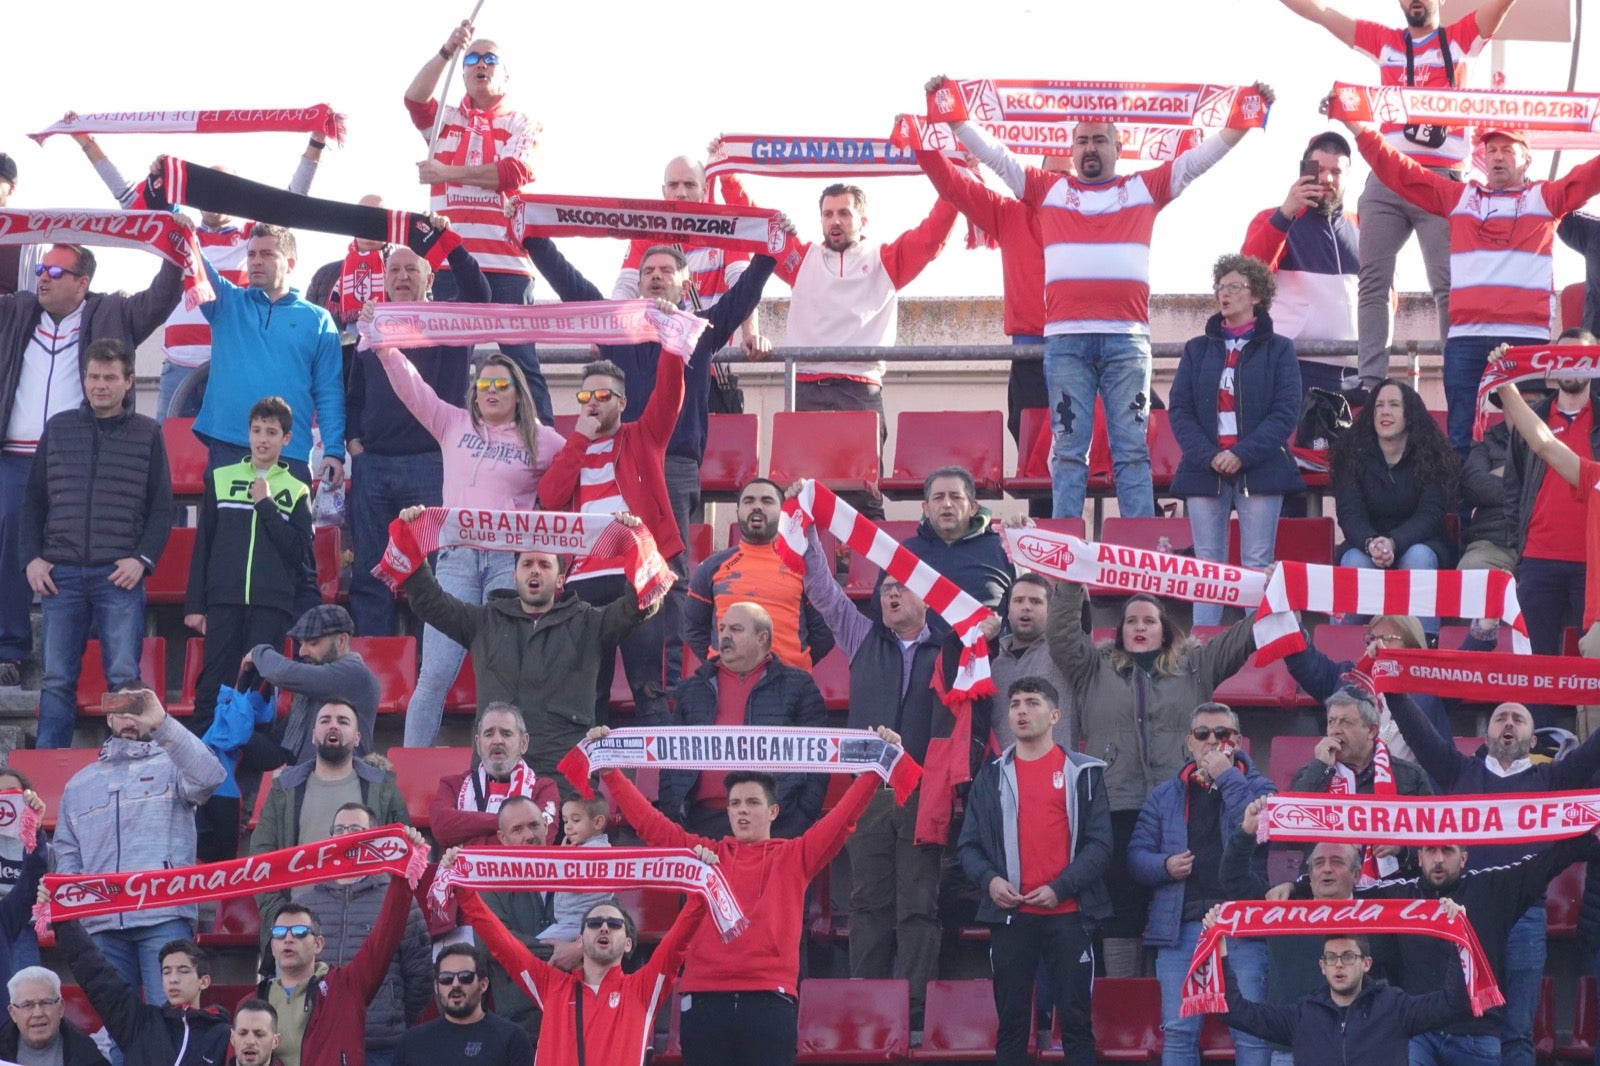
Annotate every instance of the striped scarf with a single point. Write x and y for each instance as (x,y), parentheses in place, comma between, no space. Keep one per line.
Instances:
(360,280)
(1234,338)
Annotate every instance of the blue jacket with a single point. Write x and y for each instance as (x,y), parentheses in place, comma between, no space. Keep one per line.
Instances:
(1267,385)
(261,347)
(638,361)
(1163,830)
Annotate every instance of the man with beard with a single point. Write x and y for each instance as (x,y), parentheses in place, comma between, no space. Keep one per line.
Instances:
(466,807)
(327,670)
(300,808)
(594,1014)
(525,915)
(464,1030)
(322,1010)
(1023,652)
(745,685)
(751,572)
(254,1039)
(1425,55)
(1312,243)
(1502,766)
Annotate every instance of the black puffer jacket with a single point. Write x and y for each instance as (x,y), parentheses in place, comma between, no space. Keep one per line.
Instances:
(77,1049)
(99,491)
(1484,489)
(1394,502)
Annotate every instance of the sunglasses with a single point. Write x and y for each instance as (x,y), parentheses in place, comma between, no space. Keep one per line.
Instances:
(54,273)
(612,924)
(497,384)
(601,395)
(488,59)
(446,978)
(1205,732)
(300,931)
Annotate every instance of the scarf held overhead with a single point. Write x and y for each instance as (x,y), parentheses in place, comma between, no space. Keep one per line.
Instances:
(422,323)
(1045,138)
(1553,114)
(1203,989)
(1533,362)
(386,849)
(1490,677)
(782,156)
(541,869)
(145,231)
(1217,107)
(599,542)
(319,120)
(736,229)
(1347,590)
(778,750)
(816,503)
(1410,821)
(1125,569)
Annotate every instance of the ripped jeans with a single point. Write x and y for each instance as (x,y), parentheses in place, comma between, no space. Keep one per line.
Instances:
(1116,366)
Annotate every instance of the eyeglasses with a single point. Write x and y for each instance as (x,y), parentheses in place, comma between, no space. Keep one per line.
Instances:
(598,395)
(446,978)
(1205,732)
(497,384)
(1230,288)
(27,1005)
(300,931)
(488,59)
(1385,638)
(613,924)
(54,273)
(1344,958)
(342,830)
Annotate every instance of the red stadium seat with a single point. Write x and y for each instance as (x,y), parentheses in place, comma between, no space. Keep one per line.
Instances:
(50,771)
(1074,526)
(565,425)
(1469,746)
(861,579)
(961,1024)
(621,692)
(1584,1036)
(1341,643)
(1286,756)
(463,695)
(1299,540)
(186,457)
(1256,686)
(1033,455)
(226,996)
(838,448)
(417,772)
(1127,1019)
(194,651)
(733,455)
(168,583)
(75,1004)
(700,544)
(1563,900)
(92,681)
(237,925)
(832,676)
(394,661)
(854,1021)
(1216,1041)
(1572,305)
(673,1054)
(1452,636)
(1146,532)
(327,549)
(261,799)
(1165,453)
(653,912)
(928,440)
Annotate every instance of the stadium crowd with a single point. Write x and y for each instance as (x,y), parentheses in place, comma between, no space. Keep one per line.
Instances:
(1096,812)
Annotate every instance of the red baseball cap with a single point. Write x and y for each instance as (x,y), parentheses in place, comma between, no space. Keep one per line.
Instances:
(1520,136)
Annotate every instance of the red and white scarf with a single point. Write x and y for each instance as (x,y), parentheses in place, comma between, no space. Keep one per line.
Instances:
(1553,114)
(777,750)
(1217,107)
(780,155)
(319,120)
(1533,362)
(702,224)
(817,503)
(146,231)
(18,820)
(1125,569)
(600,542)
(1344,784)
(476,145)
(1349,590)
(1489,677)
(422,324)
(1046,138)
(360,280)
(542,869)
(1411,821)
(477,784)
(1203,988)
(385,849)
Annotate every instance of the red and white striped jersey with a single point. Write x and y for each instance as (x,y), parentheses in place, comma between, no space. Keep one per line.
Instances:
(186,337)
(1501,271)
(598,491)
(1386,46)
(713,270)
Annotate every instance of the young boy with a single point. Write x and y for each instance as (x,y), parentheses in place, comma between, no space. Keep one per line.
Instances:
(584,823)
(253,539)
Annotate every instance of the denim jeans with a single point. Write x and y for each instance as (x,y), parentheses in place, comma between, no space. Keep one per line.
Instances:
(1453,1049)
(1416,557)
(507,288)
(172,377)
(1464,360)
(469,575)
(1077,367)
(1247,959)
(1279,1058)
(1258,532)
(133,953)
(381,487)
(1525,953)
(16,598)
(85,597)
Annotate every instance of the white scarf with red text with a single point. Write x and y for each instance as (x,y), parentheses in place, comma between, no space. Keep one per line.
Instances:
(699,223)
(319,120)
(1411,821)
(1046,138)
(1217,107)
(1129,570)
(146,231)
(1563,120)
(421,324)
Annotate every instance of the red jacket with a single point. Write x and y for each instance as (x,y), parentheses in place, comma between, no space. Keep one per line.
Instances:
(452,828)
(768,879)
(640,461)
(336,1031)
(617,1018)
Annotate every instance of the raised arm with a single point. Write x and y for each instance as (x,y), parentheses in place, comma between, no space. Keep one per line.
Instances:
(530,971)
(849,626)
(1435,754)
(1557,456)
(910,253)
(653,827)
(199,772)
(994,155)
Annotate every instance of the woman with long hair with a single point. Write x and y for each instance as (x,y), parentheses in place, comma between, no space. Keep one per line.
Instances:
(495,450)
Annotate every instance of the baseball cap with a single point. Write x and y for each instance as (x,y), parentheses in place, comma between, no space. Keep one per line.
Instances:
(8,168)
(1520,136)
(323,620)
